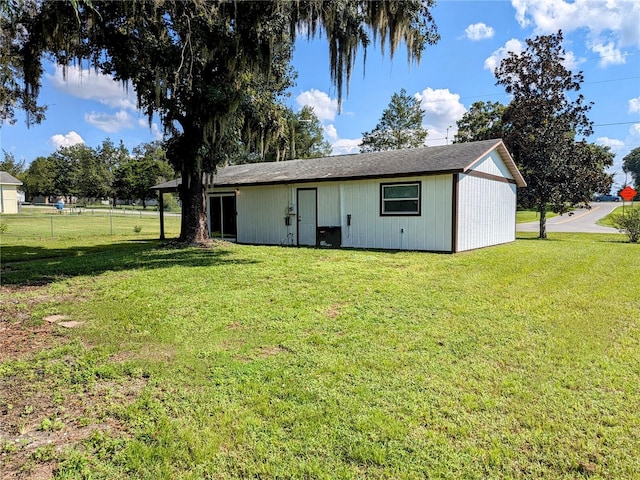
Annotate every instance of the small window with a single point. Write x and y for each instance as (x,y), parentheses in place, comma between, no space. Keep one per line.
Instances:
(400,198)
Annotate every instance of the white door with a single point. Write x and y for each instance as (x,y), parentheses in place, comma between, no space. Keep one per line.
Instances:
(307,216)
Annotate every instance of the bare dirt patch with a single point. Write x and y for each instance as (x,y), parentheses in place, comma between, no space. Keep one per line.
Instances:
(19,335)
(38,418)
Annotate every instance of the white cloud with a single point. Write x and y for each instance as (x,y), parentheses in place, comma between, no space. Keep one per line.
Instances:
(479,31)
(511,46)
(613,143)
(330,132)
(155,130)
(609,54)
(90,85)
(634,105)
(611,21)
(571,62)
(323,106)
(442,110)
(71,138)
(109,123)
(345,146)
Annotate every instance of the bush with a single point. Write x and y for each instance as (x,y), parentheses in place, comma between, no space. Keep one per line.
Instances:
(629,223)
(4,227)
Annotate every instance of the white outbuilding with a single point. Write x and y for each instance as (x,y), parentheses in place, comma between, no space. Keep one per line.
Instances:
(442,199)
(9,194)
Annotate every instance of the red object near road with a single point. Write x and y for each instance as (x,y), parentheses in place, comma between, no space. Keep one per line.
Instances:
(628,193)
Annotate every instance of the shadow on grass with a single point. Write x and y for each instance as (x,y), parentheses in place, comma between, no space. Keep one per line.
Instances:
(28,265)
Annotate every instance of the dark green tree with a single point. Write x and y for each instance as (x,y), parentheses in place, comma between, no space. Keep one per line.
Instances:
(483,121)
(195,63)
(135,176)
(399,127)
(631,164)
(39,178)
(544,127)
(13,167)
(307,135)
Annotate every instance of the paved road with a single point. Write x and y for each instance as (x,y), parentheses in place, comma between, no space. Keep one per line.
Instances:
(582,220)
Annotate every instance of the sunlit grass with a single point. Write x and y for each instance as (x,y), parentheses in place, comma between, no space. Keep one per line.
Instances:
(516,361)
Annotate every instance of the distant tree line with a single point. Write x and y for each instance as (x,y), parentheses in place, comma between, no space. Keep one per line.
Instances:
(106,172)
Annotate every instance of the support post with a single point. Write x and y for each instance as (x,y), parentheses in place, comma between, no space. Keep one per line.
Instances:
(161,204)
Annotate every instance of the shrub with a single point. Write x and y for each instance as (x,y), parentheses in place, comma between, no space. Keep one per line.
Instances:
(629,223)
(137,229)
(4,227)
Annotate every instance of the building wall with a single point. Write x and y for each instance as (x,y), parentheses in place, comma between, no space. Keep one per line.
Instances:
(492,164)
(262,211)
(486,212)
(429,231)
(8,199)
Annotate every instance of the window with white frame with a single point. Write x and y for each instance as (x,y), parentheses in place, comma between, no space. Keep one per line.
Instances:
(400,198)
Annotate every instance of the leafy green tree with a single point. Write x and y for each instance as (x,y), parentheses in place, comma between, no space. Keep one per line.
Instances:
(13,167)
(308,135)
(543,124)
(300,135)
(135,176)
(483,121)
(195,63)
(39,178)
(400,126)
(631,164)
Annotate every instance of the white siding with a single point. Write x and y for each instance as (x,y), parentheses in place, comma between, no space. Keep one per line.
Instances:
(261,215)
(262,212)
(486,212)
(492,164)
(8,199)
(429,231)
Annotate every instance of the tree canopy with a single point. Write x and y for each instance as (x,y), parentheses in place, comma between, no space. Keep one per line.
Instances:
(108,171)
(631,164)
(545,126)
(483,121)
(13,167)
(399,127)
(198,64)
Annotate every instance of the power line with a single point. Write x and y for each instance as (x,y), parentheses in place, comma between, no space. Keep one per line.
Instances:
(617,123)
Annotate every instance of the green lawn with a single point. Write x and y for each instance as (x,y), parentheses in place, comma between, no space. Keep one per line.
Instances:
(526,216)
(516,361)
(608,220)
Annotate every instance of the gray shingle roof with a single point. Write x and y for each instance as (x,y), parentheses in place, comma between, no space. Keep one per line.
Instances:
(6,179)
(454,158)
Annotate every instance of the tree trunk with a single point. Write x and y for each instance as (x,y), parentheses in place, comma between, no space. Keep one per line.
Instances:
(193,228)
(542,208)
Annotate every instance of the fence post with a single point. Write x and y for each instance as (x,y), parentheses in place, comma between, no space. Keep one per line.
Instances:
(111,221)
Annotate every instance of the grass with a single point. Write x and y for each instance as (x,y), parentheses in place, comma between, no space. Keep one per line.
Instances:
(43,224)
(516,361)
(607,221)
(526,216)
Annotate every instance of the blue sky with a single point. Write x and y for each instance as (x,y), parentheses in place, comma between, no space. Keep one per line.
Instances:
(602,39)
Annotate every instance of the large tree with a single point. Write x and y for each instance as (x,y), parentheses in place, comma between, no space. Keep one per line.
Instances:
(13,167)
(399,127)
(135,176)
(483,121)
(545,126)
(195,63)
(631,164)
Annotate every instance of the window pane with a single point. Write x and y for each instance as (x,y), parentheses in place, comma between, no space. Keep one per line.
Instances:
(401,206)
(400,191)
